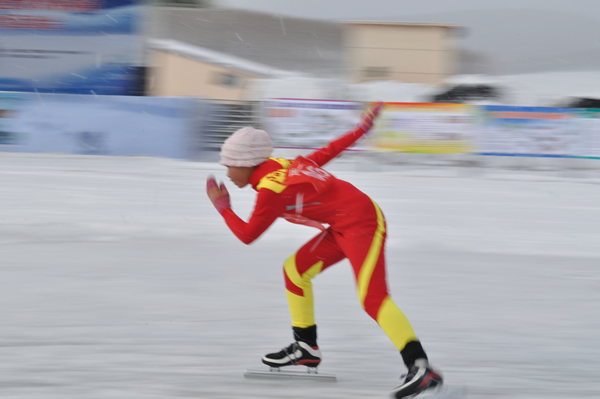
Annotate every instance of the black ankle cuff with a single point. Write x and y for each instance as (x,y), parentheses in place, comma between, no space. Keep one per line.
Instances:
(411,352)
(308,334)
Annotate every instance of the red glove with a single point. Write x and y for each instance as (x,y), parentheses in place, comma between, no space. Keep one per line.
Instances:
(218,195)
(367,117)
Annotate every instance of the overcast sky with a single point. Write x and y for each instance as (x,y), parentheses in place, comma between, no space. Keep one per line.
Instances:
(506,36)
(374,9)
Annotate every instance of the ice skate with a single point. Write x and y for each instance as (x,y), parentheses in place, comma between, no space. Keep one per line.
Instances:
(420,379)
(297,354)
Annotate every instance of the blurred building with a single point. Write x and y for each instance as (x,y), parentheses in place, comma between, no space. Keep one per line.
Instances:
(219,53)
(401,52)
(181,69)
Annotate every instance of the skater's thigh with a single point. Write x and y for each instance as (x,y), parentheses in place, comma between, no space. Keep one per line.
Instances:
(364,246)
(321,248)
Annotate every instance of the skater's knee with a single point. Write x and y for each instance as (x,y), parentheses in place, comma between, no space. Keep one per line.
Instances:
(299,273)
(293,280)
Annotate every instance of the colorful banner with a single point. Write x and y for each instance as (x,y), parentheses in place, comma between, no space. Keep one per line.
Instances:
(529,131)
(309,123)
(423,128)
(71,46)
(440,128)
(401,127)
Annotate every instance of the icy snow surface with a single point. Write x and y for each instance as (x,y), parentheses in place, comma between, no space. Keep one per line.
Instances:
(119,280)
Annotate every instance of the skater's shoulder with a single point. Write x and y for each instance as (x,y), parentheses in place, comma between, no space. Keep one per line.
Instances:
(271,175)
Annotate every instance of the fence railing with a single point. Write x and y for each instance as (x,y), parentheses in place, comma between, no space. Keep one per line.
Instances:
(225,117)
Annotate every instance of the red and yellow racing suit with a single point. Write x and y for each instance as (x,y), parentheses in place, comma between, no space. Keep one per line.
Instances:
(301,192)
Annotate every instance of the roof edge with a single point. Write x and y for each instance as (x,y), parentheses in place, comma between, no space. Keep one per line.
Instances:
(217,58)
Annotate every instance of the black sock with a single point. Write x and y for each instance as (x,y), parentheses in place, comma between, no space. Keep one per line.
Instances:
(411,352)
(308,334)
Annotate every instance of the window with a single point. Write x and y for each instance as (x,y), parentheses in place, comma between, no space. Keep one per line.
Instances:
(376,72)
(184,3)
(226,79)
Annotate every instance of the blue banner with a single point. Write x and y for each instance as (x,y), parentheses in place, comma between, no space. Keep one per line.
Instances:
(98,125)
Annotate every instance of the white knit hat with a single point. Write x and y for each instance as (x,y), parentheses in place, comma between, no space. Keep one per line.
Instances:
(246,147)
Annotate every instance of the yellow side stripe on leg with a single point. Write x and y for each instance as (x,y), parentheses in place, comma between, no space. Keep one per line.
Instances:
(301,310)
(368,266)
(291,272)
(300,280)
(395,324)
(301,307)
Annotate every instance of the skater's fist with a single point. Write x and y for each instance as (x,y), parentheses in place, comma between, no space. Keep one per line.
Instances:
(218,194)
(368,116)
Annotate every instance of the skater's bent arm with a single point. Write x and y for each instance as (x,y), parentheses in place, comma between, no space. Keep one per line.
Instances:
(264,214)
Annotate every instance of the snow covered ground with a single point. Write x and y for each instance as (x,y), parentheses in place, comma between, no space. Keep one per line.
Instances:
(119,280)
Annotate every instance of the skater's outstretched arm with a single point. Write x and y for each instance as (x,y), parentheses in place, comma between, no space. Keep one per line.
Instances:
(333,149)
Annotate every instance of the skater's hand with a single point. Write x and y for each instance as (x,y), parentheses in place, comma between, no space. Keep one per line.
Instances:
(368,117)
(218,195)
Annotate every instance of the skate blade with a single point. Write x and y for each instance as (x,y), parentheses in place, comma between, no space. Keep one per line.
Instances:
(281,374)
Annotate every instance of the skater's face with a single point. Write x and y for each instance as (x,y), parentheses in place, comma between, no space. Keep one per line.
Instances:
(239,175)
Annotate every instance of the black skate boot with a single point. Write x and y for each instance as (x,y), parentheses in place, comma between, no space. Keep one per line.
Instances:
(298,354)
(304,351)
(420,377)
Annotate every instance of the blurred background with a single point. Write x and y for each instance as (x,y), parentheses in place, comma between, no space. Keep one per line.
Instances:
(493,79)
(118,279)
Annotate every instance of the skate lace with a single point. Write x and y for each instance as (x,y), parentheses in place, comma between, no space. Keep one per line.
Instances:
(290,352)
(408,375)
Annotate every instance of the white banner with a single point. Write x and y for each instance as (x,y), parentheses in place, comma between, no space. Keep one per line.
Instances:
(588,123)
(529,131)
(309,123)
